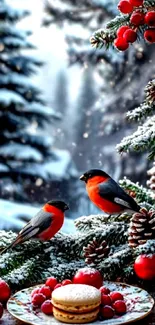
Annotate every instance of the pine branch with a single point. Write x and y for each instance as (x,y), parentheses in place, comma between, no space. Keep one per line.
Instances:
(140,140)
(118,21)
(102,38)
(106,36)
(86,223)
(147,107)
(140,112)
(149,3)
(141,193)
(111,267)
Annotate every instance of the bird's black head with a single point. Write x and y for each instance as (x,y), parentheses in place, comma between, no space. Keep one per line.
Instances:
(59,204)
(91,173)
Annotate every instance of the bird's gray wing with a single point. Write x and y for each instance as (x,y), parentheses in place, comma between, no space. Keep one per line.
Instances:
(40,222)
(111,191)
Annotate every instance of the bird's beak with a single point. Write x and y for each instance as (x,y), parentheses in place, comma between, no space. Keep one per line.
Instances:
(82,178)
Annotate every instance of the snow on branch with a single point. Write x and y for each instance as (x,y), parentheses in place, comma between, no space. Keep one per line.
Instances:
(140,140)
(13,43)
(42,110)
(20,152)
(11,14)
(105,36)
(147,107)
(141,193)
(7,97)
(77,11)
(13,31)
(142,111)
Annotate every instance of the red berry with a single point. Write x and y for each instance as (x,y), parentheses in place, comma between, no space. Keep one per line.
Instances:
(88,276)
(144,266)
(150,18)
(130,36)
(121,30)
(65,282)
(137,18)
(107,312)
(136,3)
(121,44)
(1,310)
(125,7)
(46,291)
(5,291)
(106,300)
(51,282)
(34,292)
(149,35)
(58,286)
(47,307)
(38,299)
(116,296)
(104,290)
(120,307)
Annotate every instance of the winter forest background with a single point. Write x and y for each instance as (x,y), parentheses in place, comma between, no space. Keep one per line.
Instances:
(63,105)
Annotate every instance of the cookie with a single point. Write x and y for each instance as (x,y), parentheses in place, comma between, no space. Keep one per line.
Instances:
(73,318)
(76,298)
(76,303)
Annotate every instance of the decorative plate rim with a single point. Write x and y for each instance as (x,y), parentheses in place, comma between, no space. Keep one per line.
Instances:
(98,322)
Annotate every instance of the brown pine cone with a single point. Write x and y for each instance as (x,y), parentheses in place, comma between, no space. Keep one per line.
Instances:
(142,227)
(95,251)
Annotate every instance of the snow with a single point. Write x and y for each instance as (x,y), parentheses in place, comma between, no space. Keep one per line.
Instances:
(61,167)
(14,214)
(21,152)
(16,78)
(7,97)
(36,139)
(17,43)
(12,13)
(41,109)
(3,168)
(13,31)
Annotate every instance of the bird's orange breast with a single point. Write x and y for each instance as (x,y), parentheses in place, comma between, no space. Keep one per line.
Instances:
(104,204)
(57,220)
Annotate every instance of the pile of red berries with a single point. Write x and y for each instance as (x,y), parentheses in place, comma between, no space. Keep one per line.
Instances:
(139,16)
(5,293)
(41,296)
(112,303)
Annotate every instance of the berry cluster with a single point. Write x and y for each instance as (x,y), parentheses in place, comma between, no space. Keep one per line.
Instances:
(5,293)
(41,296)
(112,303)
(139,16)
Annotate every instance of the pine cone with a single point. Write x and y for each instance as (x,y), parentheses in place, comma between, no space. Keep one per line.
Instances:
(95,251)
(142,227)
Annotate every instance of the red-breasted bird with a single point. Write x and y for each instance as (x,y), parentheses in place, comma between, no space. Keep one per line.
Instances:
(104,192)
(44,225)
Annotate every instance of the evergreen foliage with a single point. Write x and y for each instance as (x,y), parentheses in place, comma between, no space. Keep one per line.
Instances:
(32,262)
(25,149)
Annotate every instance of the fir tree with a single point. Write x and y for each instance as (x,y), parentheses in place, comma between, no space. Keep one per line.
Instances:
(25,149)
(143,139)
(122,76)
(66,253)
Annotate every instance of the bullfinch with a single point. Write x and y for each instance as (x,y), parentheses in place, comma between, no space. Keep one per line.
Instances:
(104,192)
(44,225)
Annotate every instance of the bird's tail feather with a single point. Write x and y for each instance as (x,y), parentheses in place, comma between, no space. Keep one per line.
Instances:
(6,248)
